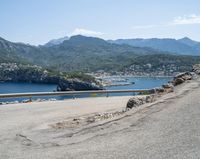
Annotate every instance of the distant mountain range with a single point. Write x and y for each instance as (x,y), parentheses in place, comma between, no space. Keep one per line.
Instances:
(56,41)
(184,46)
(78,53)
(81,53)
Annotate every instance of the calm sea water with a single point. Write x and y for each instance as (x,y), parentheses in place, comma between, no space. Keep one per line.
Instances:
(140,83)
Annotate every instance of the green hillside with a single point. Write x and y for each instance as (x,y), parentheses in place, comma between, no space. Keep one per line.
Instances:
(87,54)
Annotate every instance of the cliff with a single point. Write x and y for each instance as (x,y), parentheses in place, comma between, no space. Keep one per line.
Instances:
(12,72)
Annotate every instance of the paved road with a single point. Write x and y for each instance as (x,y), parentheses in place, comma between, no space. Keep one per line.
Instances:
(169,128)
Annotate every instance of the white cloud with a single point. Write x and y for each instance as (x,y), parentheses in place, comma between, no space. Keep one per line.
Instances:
(81,31)
(185,20)
(182,20)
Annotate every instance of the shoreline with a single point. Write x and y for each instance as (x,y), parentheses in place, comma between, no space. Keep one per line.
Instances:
(14,101)
(88,126)
(107,81)
(133,76)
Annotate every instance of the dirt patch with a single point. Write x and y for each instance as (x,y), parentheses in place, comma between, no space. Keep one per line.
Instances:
(76,122)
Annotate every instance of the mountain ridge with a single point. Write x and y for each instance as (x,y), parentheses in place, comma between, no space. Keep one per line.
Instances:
(184,46)
(88,54)
(72,54)
(56,41)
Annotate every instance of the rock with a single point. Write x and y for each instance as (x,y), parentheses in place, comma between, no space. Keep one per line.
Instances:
(12,72)
(184,75)
(38,100)
(178,81)
(15,102)
(152,91)
(26,101)
(181,78)
(139,100)
(90,120)
(187,77)
(133,102)
(76,85)
(159,90)
(52,99)
(150,99)
(168,87)
(196,69)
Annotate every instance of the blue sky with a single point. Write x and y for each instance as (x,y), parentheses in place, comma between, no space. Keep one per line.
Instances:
(38,21)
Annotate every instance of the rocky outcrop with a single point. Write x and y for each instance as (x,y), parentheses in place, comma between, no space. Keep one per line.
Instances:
(181,78)
(196,69)
(166,88)
(139,100)
(151,97)
(76,85)
(12,72)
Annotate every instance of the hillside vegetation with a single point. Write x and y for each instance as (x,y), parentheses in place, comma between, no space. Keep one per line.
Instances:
(89,54)
(162,64)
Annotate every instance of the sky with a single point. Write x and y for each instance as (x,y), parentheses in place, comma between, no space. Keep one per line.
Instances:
(38,21)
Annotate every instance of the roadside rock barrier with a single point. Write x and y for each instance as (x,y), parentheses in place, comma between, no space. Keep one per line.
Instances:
(159,90)
(142,99)
(196,69)
(181,78)
(168,87)
(139,100)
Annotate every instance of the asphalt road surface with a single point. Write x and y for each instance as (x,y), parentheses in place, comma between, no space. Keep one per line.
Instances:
(168,128)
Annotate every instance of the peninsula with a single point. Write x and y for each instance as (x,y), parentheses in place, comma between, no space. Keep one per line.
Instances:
(13,72)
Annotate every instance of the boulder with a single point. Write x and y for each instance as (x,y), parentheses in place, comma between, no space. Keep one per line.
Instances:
(181,78)
(168,87)
(183,75)
(196,69)
(152,91)
(139,100)
(159,90)
(150,99)
(178,81)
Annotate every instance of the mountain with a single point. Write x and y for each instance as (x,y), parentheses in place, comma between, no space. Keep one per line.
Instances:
(192,43)
(188,42)
(16,52)
(56,41)
(183,46)
(87,54)
(79,53)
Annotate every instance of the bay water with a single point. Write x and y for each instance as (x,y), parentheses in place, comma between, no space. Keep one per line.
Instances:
(136,83)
